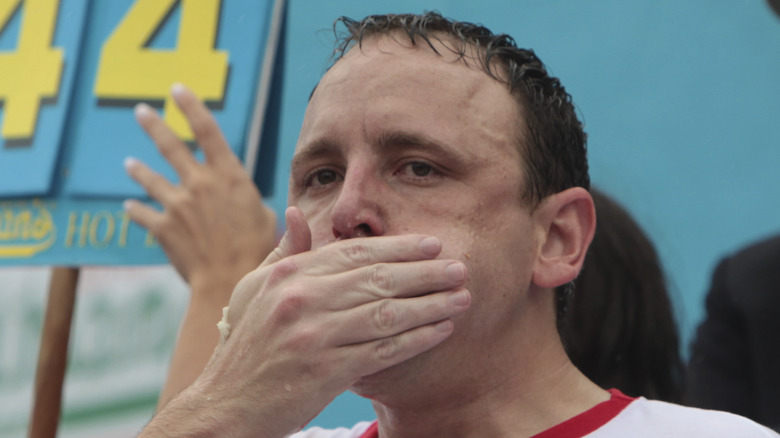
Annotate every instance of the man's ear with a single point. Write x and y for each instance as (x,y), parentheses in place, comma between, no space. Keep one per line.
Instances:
(567,221)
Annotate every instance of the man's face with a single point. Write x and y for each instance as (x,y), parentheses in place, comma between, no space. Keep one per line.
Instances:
(398,139)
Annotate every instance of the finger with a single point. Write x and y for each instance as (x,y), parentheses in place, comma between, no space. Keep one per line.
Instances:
(371,357)
(359,252)
(170,146)
(390,317)
(142,214)
(207,132)
(154,184)
(296,239)
(395,280)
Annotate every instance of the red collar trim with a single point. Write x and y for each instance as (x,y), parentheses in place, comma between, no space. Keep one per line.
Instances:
(574,427)
(372,431)
(591,419)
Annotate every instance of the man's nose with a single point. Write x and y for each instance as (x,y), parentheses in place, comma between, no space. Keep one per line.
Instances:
(358,209)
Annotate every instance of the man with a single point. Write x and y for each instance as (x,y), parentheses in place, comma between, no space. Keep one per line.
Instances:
(438,198)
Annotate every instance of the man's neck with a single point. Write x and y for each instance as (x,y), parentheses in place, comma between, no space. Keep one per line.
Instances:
(540,395)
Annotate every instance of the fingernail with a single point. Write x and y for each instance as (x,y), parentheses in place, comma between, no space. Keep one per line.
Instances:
(130,162)
(430,246)
(459,298)
(455,271)
(142,110)
(127,204)
(177,88)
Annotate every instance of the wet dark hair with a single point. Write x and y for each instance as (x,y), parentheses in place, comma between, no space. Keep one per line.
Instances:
(554,146)
(620,329)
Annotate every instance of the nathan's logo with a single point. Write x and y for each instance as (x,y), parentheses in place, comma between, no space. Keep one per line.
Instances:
(26,229)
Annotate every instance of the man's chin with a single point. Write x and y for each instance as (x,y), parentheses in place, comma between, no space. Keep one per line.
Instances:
(372,385)
(411,376)
(403,378)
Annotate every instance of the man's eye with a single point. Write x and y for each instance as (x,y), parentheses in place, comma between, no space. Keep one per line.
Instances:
(418,169)
(323,177)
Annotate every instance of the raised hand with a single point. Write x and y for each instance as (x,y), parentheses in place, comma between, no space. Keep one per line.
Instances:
(307,325)
(213,226)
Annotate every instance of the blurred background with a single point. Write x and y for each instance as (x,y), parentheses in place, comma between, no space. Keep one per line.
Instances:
(681,101)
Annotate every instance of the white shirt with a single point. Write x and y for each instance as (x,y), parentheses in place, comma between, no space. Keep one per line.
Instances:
(619,417)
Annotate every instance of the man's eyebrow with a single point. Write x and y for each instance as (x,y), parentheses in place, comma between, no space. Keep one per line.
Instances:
(398,138)
(387,142)
(312,152)
(394,139)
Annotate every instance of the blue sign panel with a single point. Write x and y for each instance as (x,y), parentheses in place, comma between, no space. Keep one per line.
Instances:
(71,72)
(39,54)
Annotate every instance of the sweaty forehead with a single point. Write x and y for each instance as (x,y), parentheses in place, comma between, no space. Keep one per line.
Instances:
(395,54)
(388,86)
(390,66)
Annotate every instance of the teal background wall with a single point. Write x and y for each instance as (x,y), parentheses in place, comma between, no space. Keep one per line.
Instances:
(682,104)
(681,101)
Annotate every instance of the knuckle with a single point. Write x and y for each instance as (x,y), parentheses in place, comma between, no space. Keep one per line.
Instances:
(291,305)
(163,227)
(387,349)
(202,128)
(199,184)
(358,252)
(165,145)
(428,274)
(236,178)
(180,201)
(156,229)
(379,277)
(151,182)
(303,342)
(303,339)
(386,316)
(281,270)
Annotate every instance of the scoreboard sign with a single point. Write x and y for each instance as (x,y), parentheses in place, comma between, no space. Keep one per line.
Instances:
(71,72)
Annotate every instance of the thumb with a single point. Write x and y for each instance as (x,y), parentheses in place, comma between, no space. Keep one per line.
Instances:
(296,239)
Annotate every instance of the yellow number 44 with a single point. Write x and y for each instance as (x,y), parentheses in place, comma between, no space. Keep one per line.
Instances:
(130,71)
(32,72)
